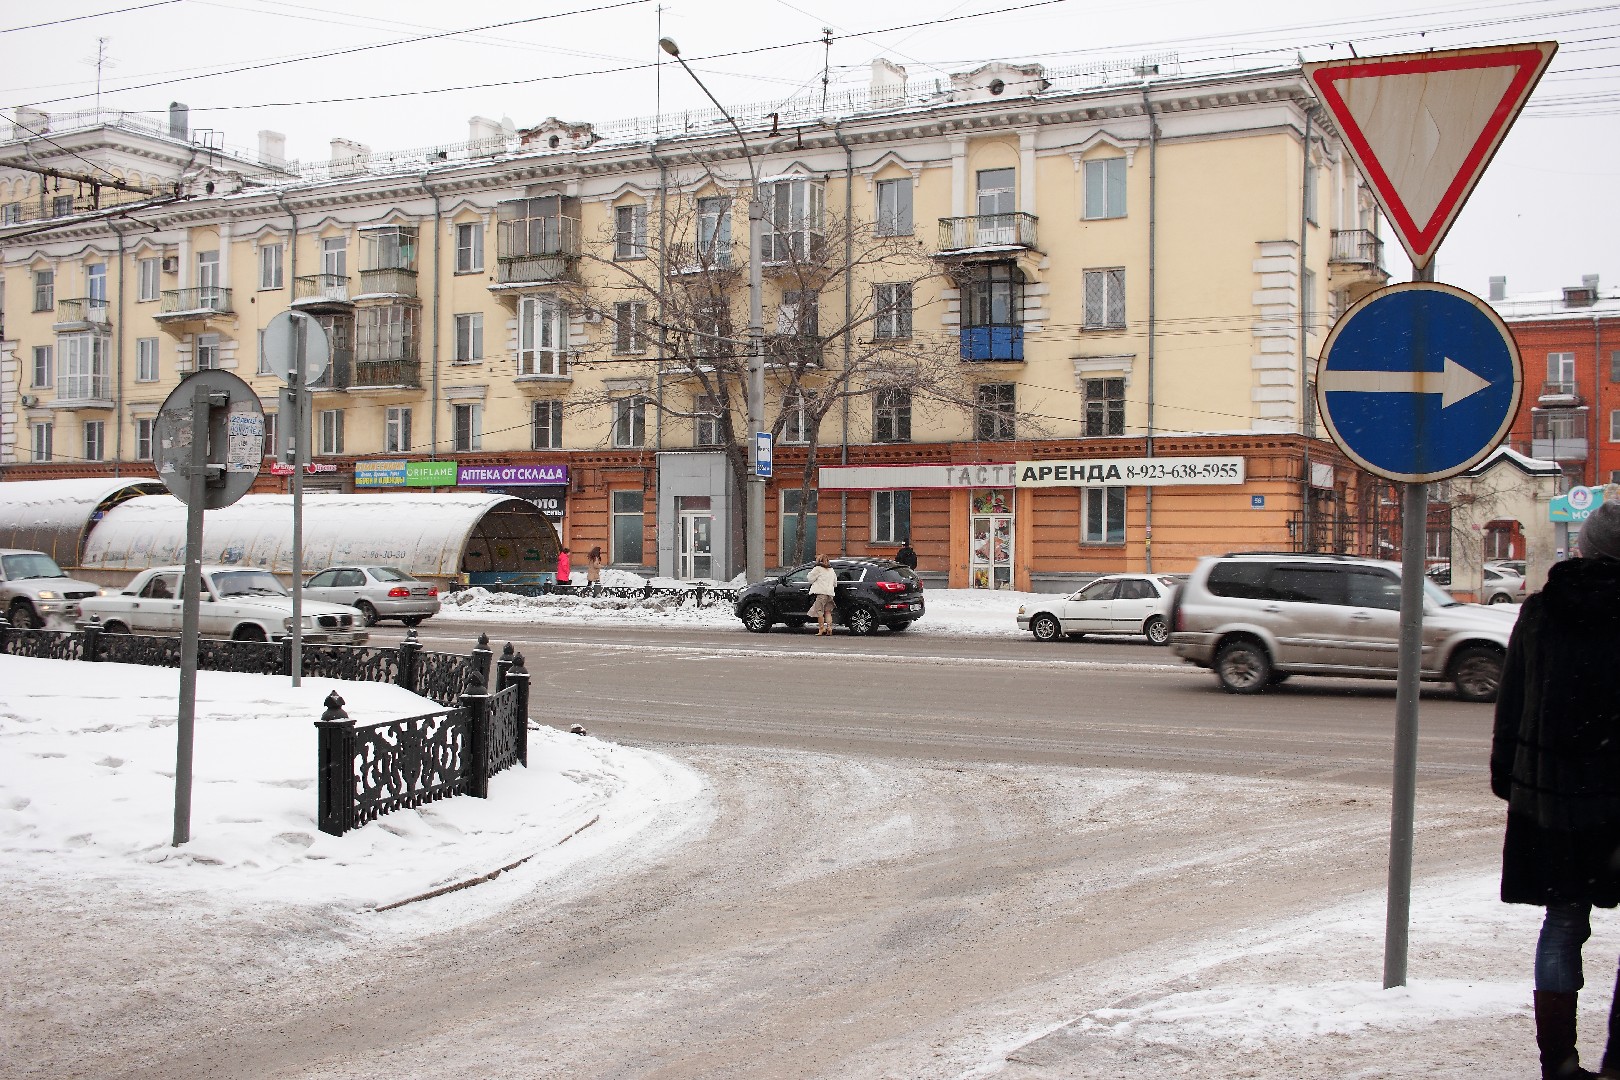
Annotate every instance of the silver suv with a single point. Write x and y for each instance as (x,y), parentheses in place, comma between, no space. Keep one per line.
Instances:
(34,591)
(1257,618)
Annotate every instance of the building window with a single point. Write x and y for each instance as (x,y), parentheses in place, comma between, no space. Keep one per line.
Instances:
(44,290)
(397,430)
(993,416)
(469,338)
(795,422)
(143,438)
(265,366)
(331,437)
(271,257)
(85,374)
(62,206)
(894,207)
(42,434)
(208,294)
(992,295)
(1105,188)
(799,313)
(630,232)
(335,257)
(714,231)
(627,527)
(95,440)
(1614,365)
(207,352)
(467,428)
(44,374)
(270,443)
(11,213)
(545,425)
(542,336)
(891,516)
(797,518)
(1561,373)
(392,247)
(1105,407)
(1105,299)
(470,247)
(95,285)
(388,333)
(1307,299)
(892,319)
(1614,425)
(794,215)
(149,279)
(1310,188)
(1104,515)
(891,416)
(629,327)
(630,421)
(705,421)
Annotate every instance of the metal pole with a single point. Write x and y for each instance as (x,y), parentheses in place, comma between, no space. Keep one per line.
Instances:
(300,399)
(1414,537)
(190,610)
(756,383)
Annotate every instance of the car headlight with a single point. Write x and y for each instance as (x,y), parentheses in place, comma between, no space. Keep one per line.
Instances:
(46,594)
(310,623)
(1020,609)
(286,624)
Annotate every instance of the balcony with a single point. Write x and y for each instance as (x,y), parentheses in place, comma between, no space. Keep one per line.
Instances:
(339,371)
(395,374)
(388,281)
(84,392)
(82,314)
(535,251)
(994,232)
(1358,248)
(314,292)
(1572,448)
(1559,434)
(194,305)
(993,343)
(1556,392)
(792,350)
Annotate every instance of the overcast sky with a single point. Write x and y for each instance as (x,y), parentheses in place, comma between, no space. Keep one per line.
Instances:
(1547,211)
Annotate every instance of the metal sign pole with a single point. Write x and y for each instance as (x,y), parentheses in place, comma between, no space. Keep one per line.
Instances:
(300,404)
(190,610)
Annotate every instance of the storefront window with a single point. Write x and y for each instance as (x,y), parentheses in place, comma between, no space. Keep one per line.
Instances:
(798,517)
(627,526)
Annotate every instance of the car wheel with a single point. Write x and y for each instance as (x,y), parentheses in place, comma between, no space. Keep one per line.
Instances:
(1499,598)
(861,620)
(115,627)
(412,620)
(1243,667)
(1157,631)
(1045,627)
(756,617)
(794,624)
(368,614)
(248,632)
(1477,672)
(22,614)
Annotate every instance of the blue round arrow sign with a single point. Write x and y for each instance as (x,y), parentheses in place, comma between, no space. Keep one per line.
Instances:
(1419,381)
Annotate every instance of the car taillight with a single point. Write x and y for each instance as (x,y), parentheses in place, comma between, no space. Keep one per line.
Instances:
(433,590)
(399,590)
(891,586)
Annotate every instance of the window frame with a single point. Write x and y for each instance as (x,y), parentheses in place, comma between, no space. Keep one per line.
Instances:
(1099,502)
(397,429)
(42,440)
(995,420)
(469,240)
(205,345)
(629,232)
(145,427)
(705,421)
(1102,187)
(714,230)
(795,422)
(807,521)
(891,409)
(618,531)
(537,315)
(898,510)
(329,439)
(1103,294)
(893,303)
(148,280)
(894,215)
(43,362)
(44,290)
(630,422)
(1103,406)
(1560,365)
(629,327)
(466,426)
(794,227)
(551,429)
(95,440)
(272,266)
(469,338)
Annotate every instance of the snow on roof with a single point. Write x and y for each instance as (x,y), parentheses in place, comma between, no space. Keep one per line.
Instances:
(52,515)
(1546,306)
(425,534)
(1528,464)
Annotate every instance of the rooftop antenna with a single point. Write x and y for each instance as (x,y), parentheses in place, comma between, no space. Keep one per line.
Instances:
(102,61)
(826,63)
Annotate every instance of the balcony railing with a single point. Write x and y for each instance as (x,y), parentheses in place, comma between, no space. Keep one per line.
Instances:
(536,249)
(992,343)
(321,288)
(987,231)
(1357,247)
(71,389)
(339,370)
(1560,392)
(207,298)
(793,350)
(91,310)
(388,281)
(376,373)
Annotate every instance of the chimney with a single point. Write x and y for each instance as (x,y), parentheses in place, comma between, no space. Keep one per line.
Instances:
(179,121)
(272,149)
(1590,281)
(1498,288)
(485,137)
(349,157)
(888,81)
(29,123)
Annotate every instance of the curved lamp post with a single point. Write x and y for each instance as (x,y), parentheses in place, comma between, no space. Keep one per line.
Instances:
(754,531)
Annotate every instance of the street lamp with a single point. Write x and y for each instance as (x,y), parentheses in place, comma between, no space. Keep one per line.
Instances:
(754,529)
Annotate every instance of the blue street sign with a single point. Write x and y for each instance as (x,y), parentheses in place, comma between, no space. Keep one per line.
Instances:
(1257,502)
(762,453)
(1419,381)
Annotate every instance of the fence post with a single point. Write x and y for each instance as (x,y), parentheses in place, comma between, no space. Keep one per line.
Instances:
(477,764)
(334,812)
(92,643)
(5,634)
(699,595)
(501,667)
(480,658)
(408,651)
(518,676)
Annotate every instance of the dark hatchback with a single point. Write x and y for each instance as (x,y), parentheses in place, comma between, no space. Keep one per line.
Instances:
(871,593)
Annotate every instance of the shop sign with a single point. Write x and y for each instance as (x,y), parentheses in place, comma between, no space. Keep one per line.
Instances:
(552,501)
(430,474)
(912,477)
(281,468)
(1575,505)
(1130,472)
(512,475)
(379,474)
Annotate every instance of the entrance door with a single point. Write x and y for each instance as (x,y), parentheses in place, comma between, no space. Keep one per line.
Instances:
(696,550)
(990,565)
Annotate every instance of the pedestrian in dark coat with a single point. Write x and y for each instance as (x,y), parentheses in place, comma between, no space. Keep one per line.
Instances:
(907,555)
(1555,758)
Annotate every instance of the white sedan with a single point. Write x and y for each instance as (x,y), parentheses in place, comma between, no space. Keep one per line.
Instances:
(1116,604)
(237,602)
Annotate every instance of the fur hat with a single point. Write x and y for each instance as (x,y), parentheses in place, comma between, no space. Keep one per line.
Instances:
(1600,535)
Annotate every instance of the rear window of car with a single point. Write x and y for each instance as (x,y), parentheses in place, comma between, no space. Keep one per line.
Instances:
(388,573)
(1241,580)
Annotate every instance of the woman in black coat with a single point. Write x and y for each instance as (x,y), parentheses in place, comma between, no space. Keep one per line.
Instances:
(1555,758)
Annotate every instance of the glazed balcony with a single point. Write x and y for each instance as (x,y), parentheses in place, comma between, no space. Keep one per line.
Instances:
(991,344)
(390,374)
(536,250)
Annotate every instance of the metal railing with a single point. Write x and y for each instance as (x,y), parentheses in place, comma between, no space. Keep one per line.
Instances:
(316,288)
(388,280)
(82,310)
(1560,388)
(1357,247)
(987,230)
(379,373)
(203,298)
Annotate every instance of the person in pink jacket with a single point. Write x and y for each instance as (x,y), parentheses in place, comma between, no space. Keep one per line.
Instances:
(564,570)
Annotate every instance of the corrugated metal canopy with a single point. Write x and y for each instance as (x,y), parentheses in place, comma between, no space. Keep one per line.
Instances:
(53,515)
(430,535)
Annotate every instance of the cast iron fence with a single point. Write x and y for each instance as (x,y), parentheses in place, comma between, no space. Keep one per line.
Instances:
(698,594)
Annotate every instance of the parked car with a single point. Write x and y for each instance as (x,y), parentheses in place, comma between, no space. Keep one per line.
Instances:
(871,593)
(1501,586)
(376,592)
(1256,619)
(1116,604)
(1512,566)
(236,602)
(35,592)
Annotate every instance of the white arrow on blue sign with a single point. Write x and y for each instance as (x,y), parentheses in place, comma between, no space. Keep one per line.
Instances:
(1419,381)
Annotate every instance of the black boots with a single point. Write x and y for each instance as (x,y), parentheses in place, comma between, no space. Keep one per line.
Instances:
(1555,1036)
(1611,1053)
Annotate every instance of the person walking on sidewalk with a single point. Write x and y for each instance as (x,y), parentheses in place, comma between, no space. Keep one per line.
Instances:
(565,571)
(907,555)
(823,590)
(1555,758)
(593,570)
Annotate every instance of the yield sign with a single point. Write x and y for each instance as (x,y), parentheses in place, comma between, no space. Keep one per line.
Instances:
(1423,126)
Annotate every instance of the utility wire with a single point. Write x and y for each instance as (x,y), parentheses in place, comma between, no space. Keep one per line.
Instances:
(81,18)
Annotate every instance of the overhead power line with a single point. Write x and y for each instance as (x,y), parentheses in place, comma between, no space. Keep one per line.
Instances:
(81,18)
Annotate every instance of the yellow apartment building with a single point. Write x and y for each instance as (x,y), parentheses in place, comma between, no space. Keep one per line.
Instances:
(1044,325)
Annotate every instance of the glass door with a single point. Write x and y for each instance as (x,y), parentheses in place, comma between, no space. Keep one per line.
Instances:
(697,536)
(990,563)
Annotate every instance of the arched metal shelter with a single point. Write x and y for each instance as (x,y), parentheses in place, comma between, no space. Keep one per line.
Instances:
(55,516)
(468,536)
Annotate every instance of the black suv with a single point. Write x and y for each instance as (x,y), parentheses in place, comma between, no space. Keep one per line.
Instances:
(871,593)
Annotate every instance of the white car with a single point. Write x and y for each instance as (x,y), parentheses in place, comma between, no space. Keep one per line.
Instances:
(1116,604)
(237,602)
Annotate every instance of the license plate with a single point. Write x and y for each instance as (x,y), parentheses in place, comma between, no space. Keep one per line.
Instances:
(916,607)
